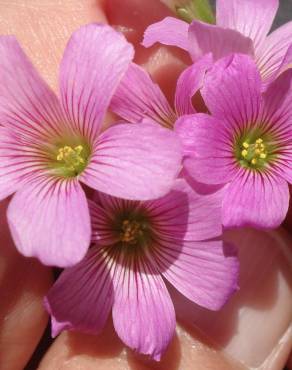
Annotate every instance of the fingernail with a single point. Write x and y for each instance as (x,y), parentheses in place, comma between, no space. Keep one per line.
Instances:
(251,324)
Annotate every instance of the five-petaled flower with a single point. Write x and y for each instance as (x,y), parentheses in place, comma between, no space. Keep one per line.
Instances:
(246,143)
(48,146)
(242,27)
(137,246)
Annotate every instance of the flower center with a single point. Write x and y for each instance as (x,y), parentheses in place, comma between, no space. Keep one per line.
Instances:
(72,159)
(132,231)
(254,153)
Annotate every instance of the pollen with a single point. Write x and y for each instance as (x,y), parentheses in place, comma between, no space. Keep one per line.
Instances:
(131,231)
(254,153)
(71,157)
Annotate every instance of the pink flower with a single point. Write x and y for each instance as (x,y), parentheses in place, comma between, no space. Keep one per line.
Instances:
(242,27)
(47,146)
(246,143)
(138,97)
(138,246)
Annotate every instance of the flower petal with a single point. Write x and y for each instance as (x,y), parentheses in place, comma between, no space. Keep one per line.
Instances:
(255,199)
(134,161)
(252,18)
(143,313)
(189,82)
(232,91)
(205,272)
(169,31)
(272,52)
(207,38)
(27,104)
(82,297)
(183,214)
(138,97)
(208,149)
(94,62)
(49,219)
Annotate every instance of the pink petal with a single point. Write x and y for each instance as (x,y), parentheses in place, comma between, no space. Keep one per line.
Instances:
(27,104)
(143,312)
(232,91)
(205,272)
(49,219)
(270,55)
(134,161)
(94,62)
(206,38)
(251,18)
(81,299)
(138,97)
(169,31)
(189,82)
(208,148)
(256,199)
(184,214)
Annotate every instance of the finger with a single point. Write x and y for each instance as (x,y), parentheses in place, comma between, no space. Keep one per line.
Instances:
(23,282)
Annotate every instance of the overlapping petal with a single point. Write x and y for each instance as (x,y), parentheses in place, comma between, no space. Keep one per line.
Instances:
(206,38)
(255,199)
(208,148)
(138,97)
(27,104)
(189,82)
(232,91)
(251,18)
(94,62)
(143,313)
(147,154)
(49,219)
(82,297)
(169,31)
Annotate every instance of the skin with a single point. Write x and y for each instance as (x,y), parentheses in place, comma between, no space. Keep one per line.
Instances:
(252,330)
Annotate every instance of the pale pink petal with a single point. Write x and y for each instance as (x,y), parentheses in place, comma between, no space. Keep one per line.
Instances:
(49,219)
(204,272)
(207,38)
(82,297)
(94,62)
(169,31)
(232,91)
(255,199)
(143,313)
(27,104)
(185,214)
(208,149)
(252,18)
(189,82)
(137,97)
(134,161)
(270,55)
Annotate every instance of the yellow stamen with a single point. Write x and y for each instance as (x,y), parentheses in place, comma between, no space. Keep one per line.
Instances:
(71,156)
(244,153)
(245,145)
(254,161)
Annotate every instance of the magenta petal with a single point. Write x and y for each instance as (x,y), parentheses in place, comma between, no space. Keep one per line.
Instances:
(205,38)
(27,104)
(143,313)
(207,147)
(134,161)
(189,82)
(169,31)
(255,199)
(270,55)
(49,219)
(202,271)
(252,18)
(94,62)
(138,97)
(81,299)
(232,91)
